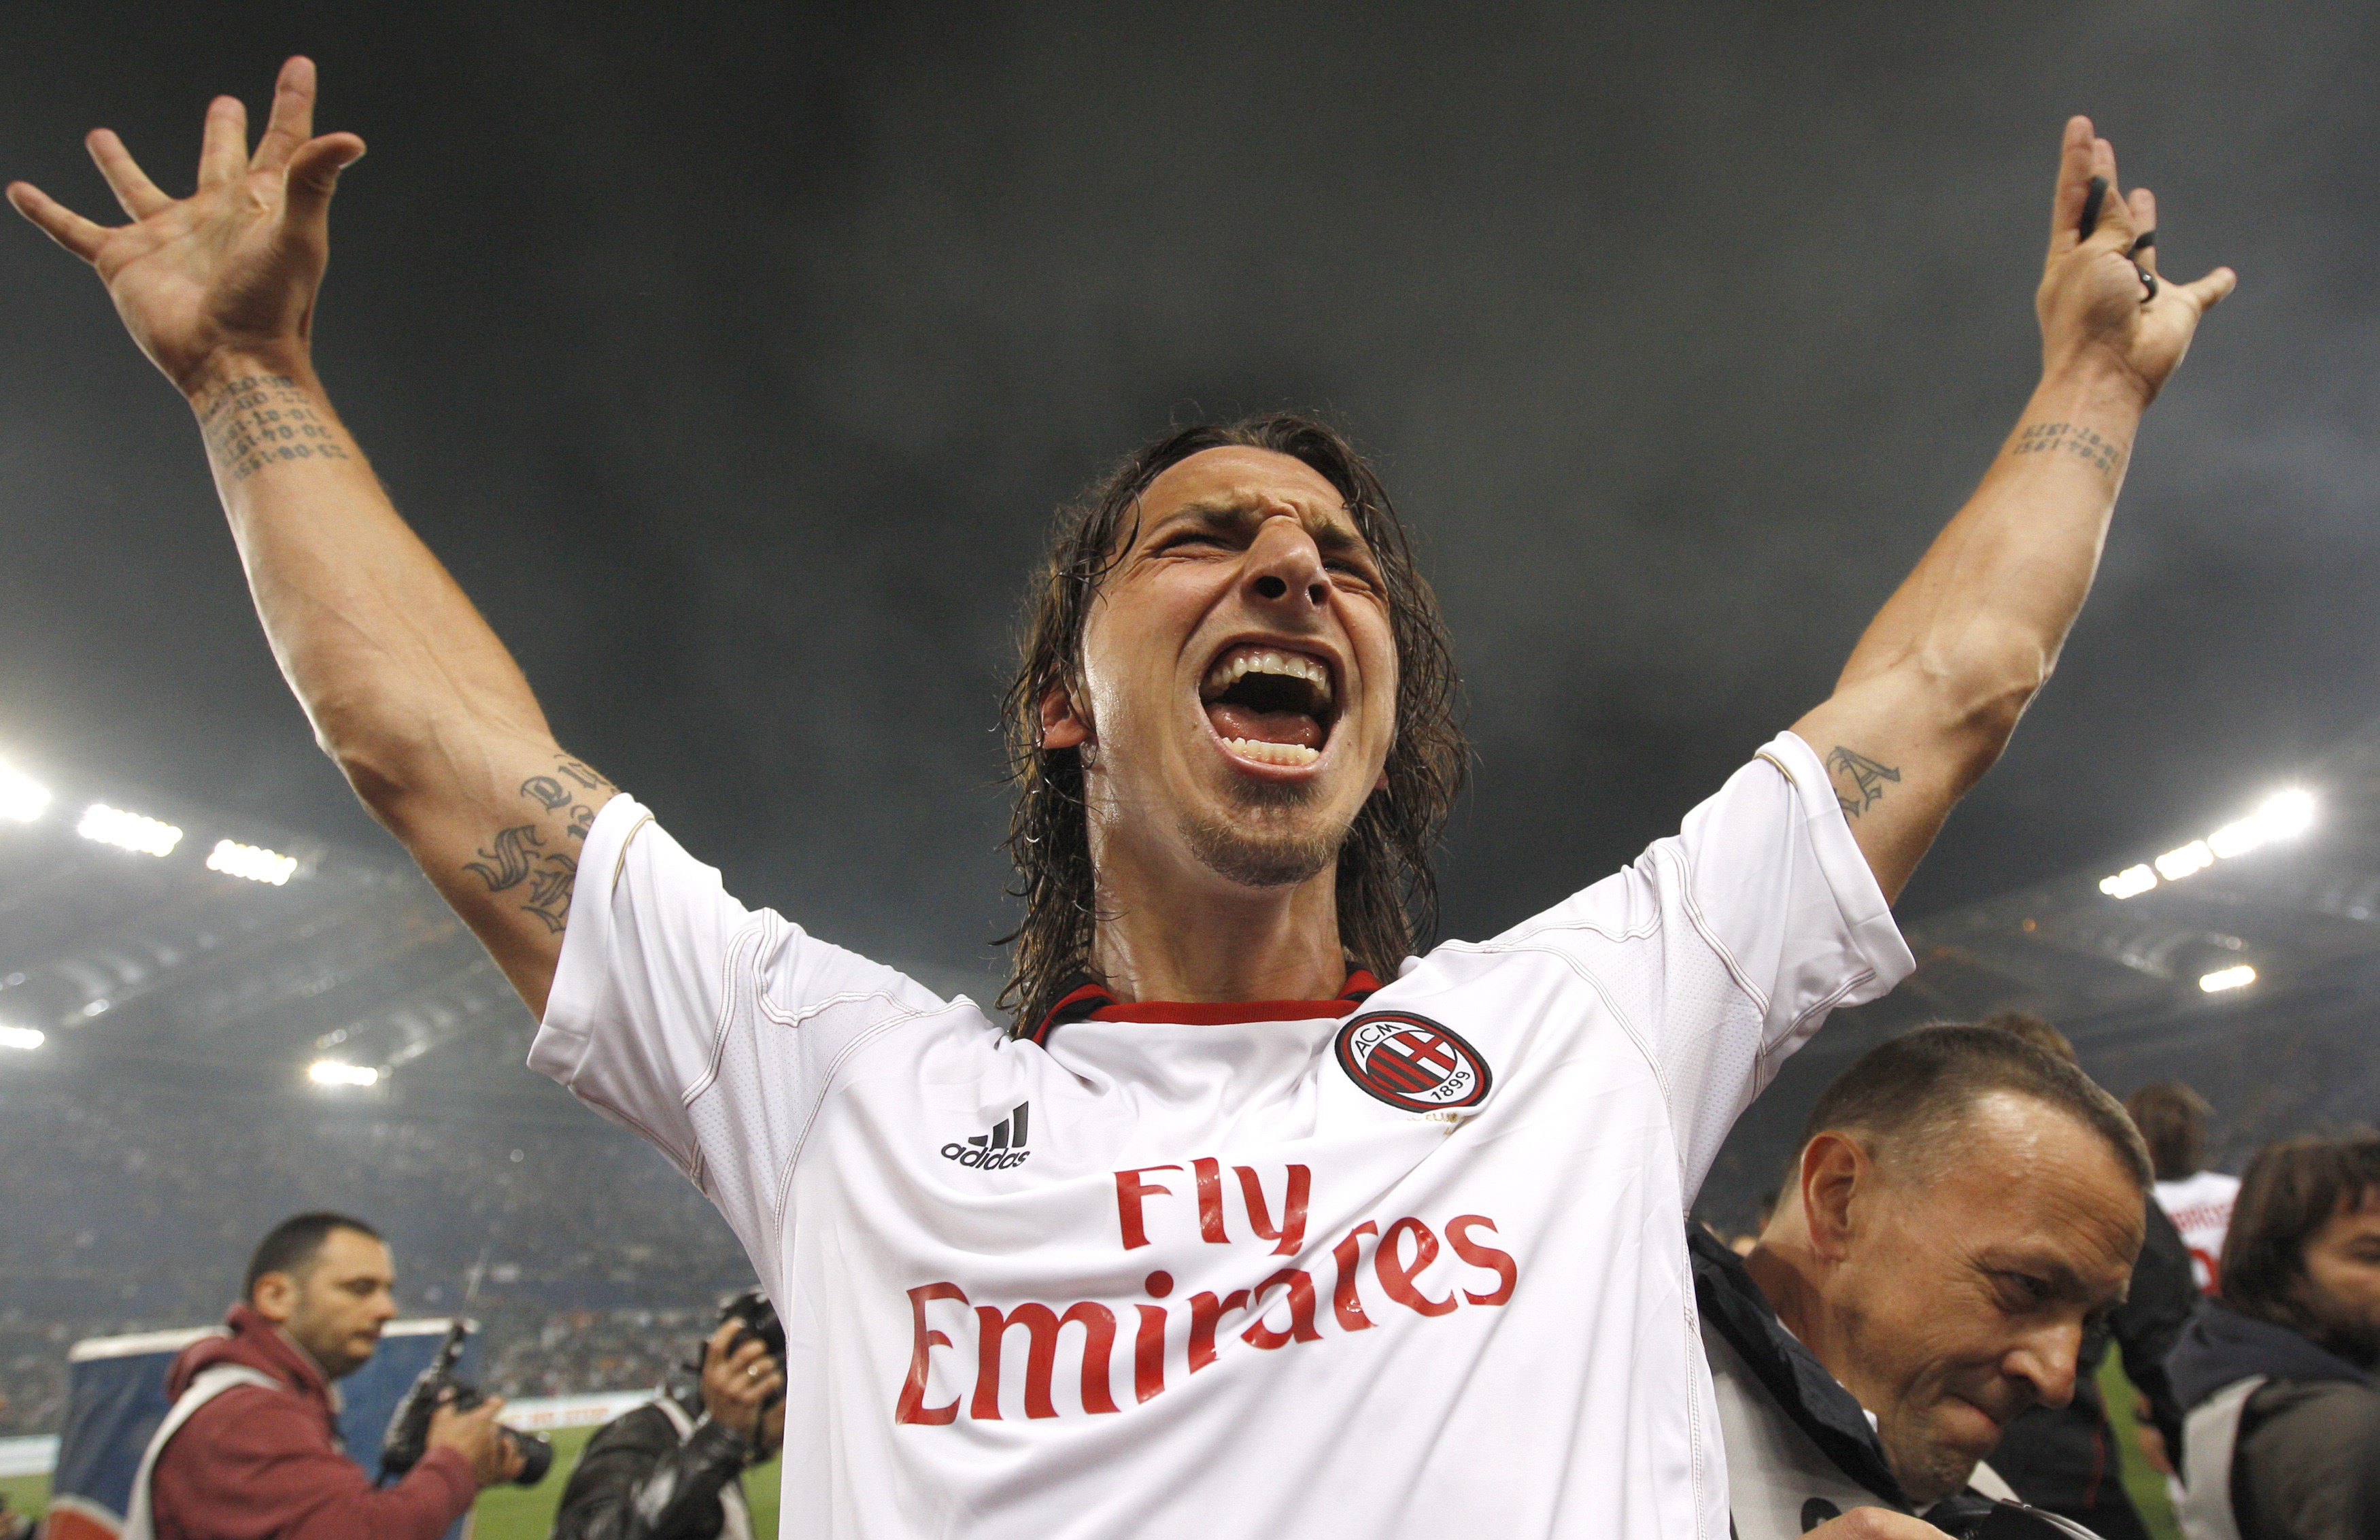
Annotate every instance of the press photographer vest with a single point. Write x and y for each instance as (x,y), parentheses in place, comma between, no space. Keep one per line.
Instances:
(210,1383)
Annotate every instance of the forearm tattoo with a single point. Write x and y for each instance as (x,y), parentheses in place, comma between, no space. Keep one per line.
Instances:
(1859,781)
(263,419)
(2069,438)
(537,860)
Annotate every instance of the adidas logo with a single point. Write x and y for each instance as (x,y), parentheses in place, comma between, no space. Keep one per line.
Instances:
(998,1150)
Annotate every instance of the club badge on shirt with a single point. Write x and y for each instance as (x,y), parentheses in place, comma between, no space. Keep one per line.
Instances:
(1411,1062)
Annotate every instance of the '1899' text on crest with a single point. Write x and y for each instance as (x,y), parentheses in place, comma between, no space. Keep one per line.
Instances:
(1411,1062)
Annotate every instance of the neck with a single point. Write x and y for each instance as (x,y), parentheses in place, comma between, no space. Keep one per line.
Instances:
(1165,936)
(1787,1272)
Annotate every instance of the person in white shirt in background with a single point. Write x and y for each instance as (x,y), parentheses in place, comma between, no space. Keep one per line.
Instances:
(1258,1224)
(2172,1118)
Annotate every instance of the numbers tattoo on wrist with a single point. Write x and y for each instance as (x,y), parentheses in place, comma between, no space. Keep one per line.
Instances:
(264,420)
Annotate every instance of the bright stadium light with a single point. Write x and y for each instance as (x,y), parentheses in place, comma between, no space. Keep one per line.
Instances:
(2238,977)
(24,1037)
(2282,815)
(114,826)
(331,1071)
(253,862)
(21,798)
(2127,883)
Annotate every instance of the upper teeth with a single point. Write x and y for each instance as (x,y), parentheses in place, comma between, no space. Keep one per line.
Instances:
(1229,670)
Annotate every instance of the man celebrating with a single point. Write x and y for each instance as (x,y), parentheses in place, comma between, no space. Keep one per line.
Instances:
(1226,1236)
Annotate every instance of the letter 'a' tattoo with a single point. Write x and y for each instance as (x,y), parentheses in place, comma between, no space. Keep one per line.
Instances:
(523,857)
(1859,781)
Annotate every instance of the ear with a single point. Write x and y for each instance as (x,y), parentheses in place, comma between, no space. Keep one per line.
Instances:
(1062,725)
(1834,1169)
(275,1298)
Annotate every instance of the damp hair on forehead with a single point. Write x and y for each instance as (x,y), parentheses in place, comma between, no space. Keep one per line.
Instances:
(1387,888)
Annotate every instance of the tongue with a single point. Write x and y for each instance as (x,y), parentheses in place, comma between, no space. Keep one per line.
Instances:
(1233,719)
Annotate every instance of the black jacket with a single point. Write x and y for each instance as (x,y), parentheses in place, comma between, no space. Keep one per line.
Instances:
(2307,1463)
(637,1480)
(2065,1459)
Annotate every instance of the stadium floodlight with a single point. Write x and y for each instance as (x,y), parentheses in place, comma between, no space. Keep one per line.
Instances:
(2238,977)
(331,1071)
(2129,883)
(22,798)
(24,1037)
(2282,815)
(2177,864)
(114,826)
(253,862)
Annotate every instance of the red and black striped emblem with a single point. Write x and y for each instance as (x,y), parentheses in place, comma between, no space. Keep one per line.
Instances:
(1411,1062)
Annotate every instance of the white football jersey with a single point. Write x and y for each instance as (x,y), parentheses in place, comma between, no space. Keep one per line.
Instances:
(1412,1266)
(2199,1207)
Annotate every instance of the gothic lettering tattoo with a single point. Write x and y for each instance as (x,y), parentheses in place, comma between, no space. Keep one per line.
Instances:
(521,855)
(2103,454)
(264,420)
(1859,781)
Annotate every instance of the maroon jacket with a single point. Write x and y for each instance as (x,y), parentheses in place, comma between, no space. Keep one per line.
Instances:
(258,1464)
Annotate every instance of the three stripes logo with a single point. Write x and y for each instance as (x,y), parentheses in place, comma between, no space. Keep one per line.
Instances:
(998,1150)
(1411,1062)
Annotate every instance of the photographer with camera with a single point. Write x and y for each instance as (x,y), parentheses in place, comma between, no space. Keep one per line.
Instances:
(673,1469)
(250,1450)
(1966,1210)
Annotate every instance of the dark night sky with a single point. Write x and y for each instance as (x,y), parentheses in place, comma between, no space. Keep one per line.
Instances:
(736,360)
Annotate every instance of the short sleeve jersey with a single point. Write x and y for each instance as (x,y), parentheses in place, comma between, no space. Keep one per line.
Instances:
(2200,1207)
(1407,1267)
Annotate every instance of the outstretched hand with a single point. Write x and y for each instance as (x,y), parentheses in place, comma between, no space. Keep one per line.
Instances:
(2094,305)
(231,270)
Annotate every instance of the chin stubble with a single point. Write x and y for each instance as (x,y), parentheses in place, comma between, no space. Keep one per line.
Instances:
(1243,852)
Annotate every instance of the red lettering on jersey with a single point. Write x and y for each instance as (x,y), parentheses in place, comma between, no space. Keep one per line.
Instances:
(1508,1272)
(1398,1278)
(924,1340)
(1149,1352)
(1042,1323)
(1130,1190)
(1291,1233)
(1345,1303)
(1301,1312)
(1206,1314)
(1210,1172)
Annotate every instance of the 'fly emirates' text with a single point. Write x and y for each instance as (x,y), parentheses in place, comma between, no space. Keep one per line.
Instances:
(1279,1309)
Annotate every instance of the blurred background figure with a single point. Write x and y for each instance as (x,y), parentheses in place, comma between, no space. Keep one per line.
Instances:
(673,1470)
(251,1448)
(2066,1459)
(2283,1439)
(2172,1118)
(1966,1205)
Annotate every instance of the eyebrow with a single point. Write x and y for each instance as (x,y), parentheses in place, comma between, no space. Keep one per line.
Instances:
(1335,536)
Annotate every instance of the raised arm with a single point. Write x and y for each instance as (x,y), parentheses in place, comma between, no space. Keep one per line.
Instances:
(1936,684)
(408,688)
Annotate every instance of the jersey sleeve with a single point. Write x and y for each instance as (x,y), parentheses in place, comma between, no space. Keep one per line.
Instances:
(1724,947)
(709,1028)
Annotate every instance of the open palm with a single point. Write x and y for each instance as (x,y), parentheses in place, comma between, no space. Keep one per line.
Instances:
(232,269)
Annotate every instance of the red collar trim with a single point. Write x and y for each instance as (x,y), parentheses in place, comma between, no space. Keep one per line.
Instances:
(1088,1002)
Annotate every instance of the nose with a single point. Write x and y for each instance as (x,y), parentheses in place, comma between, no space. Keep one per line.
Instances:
(1285,569)
(2046,1360)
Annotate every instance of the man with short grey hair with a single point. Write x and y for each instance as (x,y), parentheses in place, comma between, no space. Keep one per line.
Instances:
(1966,1207)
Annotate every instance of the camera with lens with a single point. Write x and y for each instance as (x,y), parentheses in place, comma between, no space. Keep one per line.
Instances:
(408,1438)
(759,1323)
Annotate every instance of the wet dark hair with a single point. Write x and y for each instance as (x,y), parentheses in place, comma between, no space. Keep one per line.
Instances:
(2172,1118)
(292,1245)
(2291,1190)
(1388,894)
(1915,1090)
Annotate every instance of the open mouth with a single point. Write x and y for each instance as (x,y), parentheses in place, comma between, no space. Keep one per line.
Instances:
(1269,705)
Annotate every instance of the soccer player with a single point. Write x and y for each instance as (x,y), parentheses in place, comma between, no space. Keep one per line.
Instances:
(1248,1223)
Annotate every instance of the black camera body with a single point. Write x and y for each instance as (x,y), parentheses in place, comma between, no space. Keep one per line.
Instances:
(408,1438)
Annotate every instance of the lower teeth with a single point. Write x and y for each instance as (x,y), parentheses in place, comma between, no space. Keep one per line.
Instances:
(1272,754)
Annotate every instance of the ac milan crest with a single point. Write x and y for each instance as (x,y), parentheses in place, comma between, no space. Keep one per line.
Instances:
(1411,1062)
